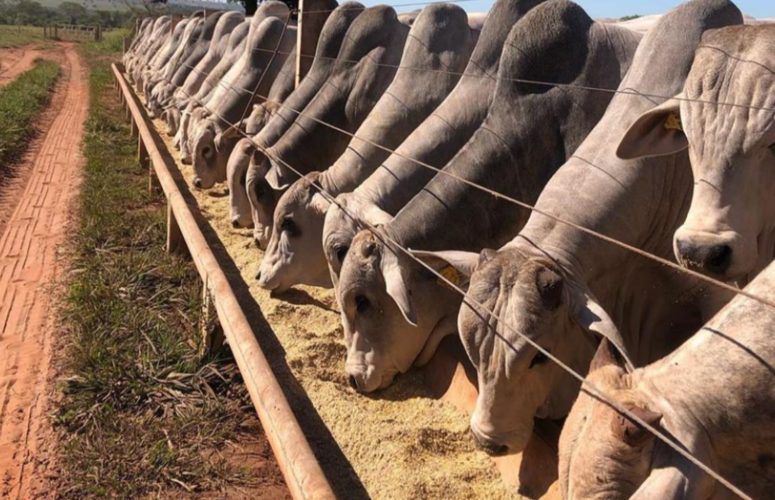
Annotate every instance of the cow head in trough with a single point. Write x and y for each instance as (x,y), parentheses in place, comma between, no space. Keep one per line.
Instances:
(262,197)
(511,291)
(387,329)
(725,117)
(236,177)
(298,222)
(213,145)
(602,453)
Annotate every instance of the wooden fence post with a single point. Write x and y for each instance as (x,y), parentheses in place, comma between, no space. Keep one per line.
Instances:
(175,242)
(312,16)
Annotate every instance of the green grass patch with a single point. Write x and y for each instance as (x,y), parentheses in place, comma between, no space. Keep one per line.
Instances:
(20,103)
(16,36)
(141,413)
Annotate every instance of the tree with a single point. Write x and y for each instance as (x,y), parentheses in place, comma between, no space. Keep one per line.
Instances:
(74,12)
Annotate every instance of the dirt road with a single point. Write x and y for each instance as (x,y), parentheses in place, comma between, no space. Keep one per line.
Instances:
(37,206)
(14,62)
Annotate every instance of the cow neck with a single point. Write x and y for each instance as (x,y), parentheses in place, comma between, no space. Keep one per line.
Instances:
(453,122)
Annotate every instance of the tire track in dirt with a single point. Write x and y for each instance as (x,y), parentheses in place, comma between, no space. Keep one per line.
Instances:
(14,62)
(30,264)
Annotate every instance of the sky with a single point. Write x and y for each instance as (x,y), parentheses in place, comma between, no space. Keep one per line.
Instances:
(609,8)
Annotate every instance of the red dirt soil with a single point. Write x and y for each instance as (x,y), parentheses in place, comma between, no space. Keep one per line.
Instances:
(36,208)
(14,62)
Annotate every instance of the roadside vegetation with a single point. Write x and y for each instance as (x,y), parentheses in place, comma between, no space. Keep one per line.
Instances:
(21,101)
(141,412)
(16,36)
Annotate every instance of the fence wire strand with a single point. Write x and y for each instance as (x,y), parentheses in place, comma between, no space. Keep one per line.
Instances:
(392,245)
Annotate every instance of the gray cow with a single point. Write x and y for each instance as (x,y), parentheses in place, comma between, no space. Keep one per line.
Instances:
(260,194)
(730,229)
(216,50)
(179,117)
(560,286)
(434,142)
(365,66)
(714,395)
(248,82)
(436,52)
(188,61)
(394,312)
(156,81)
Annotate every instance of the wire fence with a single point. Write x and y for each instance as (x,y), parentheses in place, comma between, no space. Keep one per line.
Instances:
(394,246)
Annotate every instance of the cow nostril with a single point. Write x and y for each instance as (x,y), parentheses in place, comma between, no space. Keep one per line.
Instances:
(235,223)
(198,183)
(352,382)
(718,259)
(258,275)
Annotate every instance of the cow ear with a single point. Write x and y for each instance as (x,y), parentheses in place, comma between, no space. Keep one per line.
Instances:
(630,431)
(656,132)
(230,133)
(606,355)
(456,267)
(395,285)
(274,177)
(591,316)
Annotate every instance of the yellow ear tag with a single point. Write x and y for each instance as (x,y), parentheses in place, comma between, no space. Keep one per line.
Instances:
(673,122)
(451,274)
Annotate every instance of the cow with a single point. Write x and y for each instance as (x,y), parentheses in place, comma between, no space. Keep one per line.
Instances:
(239,159)
(268,44)
(725,116)
(563,287)
(393,311)
(157,79)
(197,49)
(714,396)
(214,52)
(436,52)
(179,117)
(365,66)
(434,142)
(331,38)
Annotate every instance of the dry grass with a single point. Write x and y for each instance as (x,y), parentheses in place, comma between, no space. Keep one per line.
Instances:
(141,412)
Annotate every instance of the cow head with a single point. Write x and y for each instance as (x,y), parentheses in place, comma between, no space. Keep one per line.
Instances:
(206,173)
(341,225)
(394,312)
(295,253)
(604,454)
(236,178)
(729,231)
(531,295)
(262,198)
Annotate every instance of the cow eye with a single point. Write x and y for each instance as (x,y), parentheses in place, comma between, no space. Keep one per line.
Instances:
(207,152)
(539,359)
(289,226)
(772,148)
(341,252)
(362,304)
(242,180)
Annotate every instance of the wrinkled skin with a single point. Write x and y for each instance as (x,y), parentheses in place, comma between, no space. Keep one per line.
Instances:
(732,152)
(550,309)
(299,211)
(604,454)
(713,396)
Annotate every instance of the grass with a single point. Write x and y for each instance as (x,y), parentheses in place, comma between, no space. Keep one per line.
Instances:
(141,412)
(20,103)
(16,36)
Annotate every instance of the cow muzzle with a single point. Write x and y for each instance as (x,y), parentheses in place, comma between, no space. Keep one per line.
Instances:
(723,256)
(488,445)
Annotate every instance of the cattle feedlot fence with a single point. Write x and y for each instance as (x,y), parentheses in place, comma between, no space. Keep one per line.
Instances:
(73,32)
(298,464)
(183,229)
